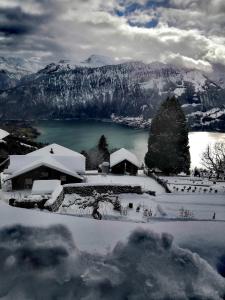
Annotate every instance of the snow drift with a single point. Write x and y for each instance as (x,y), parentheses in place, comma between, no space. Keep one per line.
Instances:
(44,263)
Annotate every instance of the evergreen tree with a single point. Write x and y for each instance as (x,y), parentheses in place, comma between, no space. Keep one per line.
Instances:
(88,163)
(103,148)
(168,144)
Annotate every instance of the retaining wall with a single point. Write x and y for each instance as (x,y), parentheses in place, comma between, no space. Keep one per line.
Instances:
(87,190)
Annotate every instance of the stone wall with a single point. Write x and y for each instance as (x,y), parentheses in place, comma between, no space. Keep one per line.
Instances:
(87,190)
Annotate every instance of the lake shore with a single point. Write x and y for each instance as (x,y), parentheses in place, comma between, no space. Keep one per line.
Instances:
(81,135)
(130,122)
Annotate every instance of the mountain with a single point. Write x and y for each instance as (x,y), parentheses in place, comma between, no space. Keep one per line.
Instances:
(95,61)
(218,74)
(98,88)
(12,69)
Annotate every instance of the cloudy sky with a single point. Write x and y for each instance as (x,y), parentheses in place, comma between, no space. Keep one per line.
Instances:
(187,32)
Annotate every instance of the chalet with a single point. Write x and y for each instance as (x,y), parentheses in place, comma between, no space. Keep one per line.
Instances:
(51,162)
(124,162)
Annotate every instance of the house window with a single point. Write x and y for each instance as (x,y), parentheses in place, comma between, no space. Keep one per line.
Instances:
(44,174)
(28,182)
(63,178)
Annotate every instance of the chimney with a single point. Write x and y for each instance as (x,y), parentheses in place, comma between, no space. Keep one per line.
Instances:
(51,151)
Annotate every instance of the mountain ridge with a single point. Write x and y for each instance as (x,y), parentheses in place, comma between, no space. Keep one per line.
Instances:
(126,89)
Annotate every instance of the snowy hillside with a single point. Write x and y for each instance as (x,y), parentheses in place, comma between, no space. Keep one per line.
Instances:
(44,254)
(20,65)
(12,69)
(218,75)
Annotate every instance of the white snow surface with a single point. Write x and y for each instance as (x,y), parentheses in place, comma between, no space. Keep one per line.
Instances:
(121,155)
(45,254)
(46,251)
(164,207)
(59,163)
(57,149)
(3,134)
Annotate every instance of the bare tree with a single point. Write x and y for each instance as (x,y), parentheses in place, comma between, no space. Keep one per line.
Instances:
(94,201)
(213,158)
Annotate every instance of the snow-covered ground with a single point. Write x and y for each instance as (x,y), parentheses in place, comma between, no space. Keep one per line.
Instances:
(201,206)
(163,207)
(47,255)
(101,236)
(191,198)
(185,184)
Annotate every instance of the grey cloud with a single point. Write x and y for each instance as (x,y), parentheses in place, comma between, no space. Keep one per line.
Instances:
(14,21)
(188,29)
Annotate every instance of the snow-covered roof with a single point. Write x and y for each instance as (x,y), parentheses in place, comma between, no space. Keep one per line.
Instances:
(121,155)
(57,150)
(53,156)
(3,134)
(38,162)
(41,187)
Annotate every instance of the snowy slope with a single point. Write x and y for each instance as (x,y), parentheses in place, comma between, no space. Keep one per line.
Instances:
(42,256)
(12,69)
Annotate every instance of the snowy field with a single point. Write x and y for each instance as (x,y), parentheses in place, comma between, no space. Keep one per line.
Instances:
(101,236)
(194,185)
(162,207)
(191,199)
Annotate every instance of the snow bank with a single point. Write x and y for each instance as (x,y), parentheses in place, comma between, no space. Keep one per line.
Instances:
(44,263)
(41,187)
(3,134)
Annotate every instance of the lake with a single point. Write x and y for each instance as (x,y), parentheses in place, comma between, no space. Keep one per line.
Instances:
(83,135)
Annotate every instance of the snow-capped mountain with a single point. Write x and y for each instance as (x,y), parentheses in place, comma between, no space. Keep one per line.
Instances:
(12,69)
(130,89)
(218,74)
(95,61)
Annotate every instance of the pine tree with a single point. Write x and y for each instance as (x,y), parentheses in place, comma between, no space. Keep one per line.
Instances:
(103,148)
(168,144)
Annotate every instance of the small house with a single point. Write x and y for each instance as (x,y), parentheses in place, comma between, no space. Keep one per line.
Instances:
(124,162)
(48,163)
